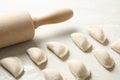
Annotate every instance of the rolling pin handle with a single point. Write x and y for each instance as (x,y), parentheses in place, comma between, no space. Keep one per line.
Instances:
(55,17)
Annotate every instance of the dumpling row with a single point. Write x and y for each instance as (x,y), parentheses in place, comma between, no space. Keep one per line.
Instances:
(78,69)
(81,41)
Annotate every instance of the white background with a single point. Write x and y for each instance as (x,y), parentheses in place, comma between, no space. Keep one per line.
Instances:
(101,13)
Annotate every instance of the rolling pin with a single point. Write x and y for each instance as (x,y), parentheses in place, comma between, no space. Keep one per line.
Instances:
(19,27)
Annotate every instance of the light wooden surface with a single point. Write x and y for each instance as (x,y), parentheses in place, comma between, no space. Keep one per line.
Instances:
(101,13)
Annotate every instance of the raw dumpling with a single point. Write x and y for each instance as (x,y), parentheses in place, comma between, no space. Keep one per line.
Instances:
(104,58)
(116,46)
(52,74)
(13,65)
(59,49)
(81,41)
(37,55)
(97,33)
(78,69)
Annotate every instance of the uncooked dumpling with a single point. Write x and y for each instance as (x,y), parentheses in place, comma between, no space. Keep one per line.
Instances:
(97,33)
(116,46)
(104,58)
(37,55)
(52,74)
(78,69)
(59,49)
(81,41)
(13,65)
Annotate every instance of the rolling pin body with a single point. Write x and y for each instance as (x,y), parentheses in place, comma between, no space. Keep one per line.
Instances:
(15,28)
(20,27)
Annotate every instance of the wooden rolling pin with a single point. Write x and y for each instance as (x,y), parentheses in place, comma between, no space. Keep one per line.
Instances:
(19,27)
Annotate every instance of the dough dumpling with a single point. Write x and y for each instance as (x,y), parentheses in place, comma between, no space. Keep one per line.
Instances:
(57,48)
(78,69)
(13,65)
(104,58)
(81,41)
(37,55)
(116,46)
(97,33)
(52,74)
